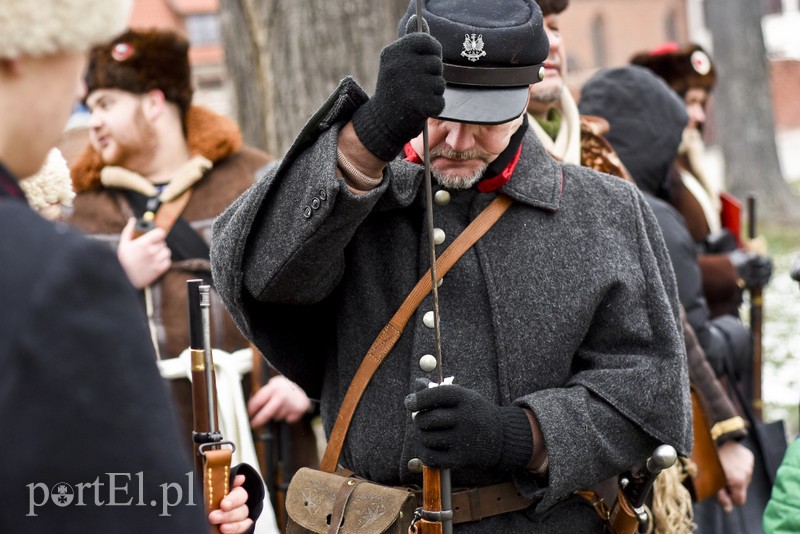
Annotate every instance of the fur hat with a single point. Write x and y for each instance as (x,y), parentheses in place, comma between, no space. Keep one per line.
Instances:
(550,7)
(682,68)
(139,61)
(48,26)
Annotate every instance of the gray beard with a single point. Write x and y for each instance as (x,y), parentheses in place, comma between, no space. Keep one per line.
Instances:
(458,182)
(548,97)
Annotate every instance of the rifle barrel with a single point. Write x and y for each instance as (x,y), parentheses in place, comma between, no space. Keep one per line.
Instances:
(205,306)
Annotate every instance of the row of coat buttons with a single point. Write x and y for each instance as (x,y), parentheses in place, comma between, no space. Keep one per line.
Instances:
(316,203)
(428,362)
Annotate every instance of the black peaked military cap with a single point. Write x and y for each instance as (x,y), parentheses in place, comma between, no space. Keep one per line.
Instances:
(492,51)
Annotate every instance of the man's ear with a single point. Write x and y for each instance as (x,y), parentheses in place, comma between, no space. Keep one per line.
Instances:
(154,103)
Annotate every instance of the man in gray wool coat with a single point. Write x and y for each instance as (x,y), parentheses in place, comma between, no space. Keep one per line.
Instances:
(560,325)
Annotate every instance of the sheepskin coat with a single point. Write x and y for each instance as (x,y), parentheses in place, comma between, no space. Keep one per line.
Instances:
(567,306)
(103,212)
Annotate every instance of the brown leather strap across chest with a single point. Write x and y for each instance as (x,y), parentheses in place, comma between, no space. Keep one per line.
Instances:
(390,333)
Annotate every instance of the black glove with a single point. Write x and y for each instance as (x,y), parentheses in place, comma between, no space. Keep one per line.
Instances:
(409,90)
(754,270)
(457,428)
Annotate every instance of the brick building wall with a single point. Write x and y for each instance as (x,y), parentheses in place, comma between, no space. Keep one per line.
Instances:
(785,79)
(606,33)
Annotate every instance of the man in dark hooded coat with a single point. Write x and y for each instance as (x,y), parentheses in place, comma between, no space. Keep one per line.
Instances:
(647,119)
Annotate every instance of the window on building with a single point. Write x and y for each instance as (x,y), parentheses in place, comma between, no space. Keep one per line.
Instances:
(599,41)
(203,28)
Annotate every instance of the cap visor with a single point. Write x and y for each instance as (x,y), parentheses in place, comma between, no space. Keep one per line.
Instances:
(483,105)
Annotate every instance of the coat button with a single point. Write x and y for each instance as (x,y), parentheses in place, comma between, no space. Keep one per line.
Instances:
(415,465)
(315,203)
(438,236)
(307,212)
(322,195)
(427,363)
(442,197)
(427,319)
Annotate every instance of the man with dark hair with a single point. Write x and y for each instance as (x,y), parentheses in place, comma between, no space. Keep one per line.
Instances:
(553,324)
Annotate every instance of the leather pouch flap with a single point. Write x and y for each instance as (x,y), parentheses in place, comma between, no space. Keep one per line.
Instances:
(372,508)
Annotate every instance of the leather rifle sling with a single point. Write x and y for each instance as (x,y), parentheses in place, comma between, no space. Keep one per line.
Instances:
(169,212)
(390,333)
(216,479)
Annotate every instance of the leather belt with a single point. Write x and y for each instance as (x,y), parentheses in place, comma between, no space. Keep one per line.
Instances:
(474,504)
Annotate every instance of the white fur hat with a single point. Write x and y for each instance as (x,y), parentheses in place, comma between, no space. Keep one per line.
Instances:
(41,27)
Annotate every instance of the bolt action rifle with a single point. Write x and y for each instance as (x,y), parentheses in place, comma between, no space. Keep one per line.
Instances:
(212,457)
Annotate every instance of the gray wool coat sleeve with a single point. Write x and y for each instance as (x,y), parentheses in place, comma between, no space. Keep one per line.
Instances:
(567,306)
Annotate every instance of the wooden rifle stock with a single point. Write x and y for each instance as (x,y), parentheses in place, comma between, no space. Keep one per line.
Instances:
(147,221)
(431,500)
(212,460)
(756,318)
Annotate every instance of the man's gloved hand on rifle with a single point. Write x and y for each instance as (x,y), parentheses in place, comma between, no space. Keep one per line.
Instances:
(753,269)
(458,428)
(409,89)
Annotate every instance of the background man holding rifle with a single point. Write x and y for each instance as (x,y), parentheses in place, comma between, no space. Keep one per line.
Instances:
(148,143)
(549,377)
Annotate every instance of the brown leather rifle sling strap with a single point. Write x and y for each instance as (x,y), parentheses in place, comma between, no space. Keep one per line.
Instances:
(390,333)
(169,212)
(166,215)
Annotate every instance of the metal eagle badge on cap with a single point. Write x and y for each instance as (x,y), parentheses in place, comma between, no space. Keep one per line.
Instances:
(473,47)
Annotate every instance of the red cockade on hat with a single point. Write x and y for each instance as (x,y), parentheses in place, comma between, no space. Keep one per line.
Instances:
(122,51)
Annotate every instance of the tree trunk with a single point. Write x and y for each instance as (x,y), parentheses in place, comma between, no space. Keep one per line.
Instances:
(743,106)
(285,57)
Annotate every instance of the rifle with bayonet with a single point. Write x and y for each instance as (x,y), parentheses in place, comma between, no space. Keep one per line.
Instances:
(435,516)
(212,453)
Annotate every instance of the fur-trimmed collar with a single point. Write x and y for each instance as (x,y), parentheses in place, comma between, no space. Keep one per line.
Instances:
(210,135)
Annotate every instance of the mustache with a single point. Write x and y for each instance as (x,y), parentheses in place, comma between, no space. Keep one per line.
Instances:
(449,153)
